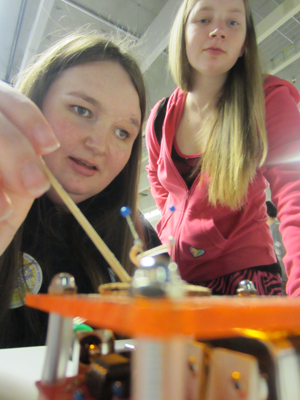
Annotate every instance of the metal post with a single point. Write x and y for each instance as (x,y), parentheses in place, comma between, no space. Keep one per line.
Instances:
(158,369)
(59,334)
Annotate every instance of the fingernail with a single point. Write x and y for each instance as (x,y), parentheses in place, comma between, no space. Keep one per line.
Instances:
(45,139)
(6,207)
(34,179)
(6,214)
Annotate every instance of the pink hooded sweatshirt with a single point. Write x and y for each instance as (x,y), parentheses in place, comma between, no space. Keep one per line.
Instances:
(215,241)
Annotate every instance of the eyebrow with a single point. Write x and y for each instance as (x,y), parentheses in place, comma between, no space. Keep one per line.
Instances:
(135,122)
(95,102)
(85,97)
(237,10)
(209,8)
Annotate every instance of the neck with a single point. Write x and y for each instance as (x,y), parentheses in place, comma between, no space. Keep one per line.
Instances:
(205,89)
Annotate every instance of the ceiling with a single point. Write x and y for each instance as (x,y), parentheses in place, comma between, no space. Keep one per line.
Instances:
(29,26)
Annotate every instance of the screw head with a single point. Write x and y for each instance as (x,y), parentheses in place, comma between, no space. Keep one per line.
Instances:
(62,283)
(246,288)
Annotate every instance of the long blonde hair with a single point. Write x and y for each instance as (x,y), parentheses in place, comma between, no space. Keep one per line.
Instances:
(237,143)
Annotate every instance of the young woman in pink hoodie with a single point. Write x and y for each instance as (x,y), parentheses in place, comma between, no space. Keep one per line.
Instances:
(227,133)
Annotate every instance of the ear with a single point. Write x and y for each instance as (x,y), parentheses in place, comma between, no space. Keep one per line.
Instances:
(243,48)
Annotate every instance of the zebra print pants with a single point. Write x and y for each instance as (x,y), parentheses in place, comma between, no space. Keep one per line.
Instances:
(266,279)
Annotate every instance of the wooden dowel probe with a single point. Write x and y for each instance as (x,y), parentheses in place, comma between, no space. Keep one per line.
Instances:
(87,227)
(163,248)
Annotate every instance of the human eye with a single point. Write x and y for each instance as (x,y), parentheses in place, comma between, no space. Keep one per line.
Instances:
(203,20)
(122,134)
(82,111)
(233,23)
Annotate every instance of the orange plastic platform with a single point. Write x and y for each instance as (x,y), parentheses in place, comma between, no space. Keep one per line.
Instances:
(201,317)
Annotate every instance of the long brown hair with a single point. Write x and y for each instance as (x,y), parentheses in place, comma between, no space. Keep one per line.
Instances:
(237,143)
(103,210)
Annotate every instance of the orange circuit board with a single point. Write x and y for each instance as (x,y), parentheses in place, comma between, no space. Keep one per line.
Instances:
(201,317)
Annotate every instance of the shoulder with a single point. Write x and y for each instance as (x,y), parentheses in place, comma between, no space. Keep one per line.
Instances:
(173,100)
(282,120)
(273,85)
(167,109)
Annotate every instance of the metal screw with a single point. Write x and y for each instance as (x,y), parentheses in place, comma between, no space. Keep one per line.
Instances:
(246,288)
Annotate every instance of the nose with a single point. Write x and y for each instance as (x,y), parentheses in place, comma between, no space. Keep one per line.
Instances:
(97,143)
(217,32)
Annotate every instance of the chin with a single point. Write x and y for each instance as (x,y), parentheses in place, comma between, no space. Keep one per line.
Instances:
(79,197)
(214,72)
(76,195)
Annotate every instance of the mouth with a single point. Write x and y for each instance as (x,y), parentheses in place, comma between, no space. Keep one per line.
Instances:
(86,164)
(214,49)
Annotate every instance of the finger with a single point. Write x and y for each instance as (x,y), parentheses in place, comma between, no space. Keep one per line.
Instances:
(21,170)
(13,211)
(6,206)
(28,118)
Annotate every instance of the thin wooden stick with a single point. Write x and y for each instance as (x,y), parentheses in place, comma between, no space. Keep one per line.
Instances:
(87,227)
(163,248)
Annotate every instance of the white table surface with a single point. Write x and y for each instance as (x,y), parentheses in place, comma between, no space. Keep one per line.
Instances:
(21,367)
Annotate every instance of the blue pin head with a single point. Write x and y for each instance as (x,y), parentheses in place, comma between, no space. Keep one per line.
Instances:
(172,208)
(117,389)
(125,211)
